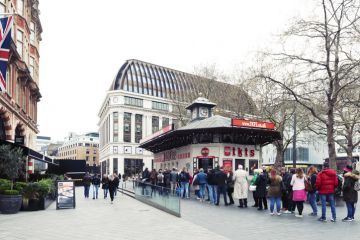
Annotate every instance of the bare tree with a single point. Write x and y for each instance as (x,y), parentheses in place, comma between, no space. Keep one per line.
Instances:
(326,65)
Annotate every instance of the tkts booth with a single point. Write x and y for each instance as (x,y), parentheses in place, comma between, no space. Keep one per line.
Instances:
(210,141)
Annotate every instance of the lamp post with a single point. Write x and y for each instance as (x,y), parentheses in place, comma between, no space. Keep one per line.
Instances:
(294,155)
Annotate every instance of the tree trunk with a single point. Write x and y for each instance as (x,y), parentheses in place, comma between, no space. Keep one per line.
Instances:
(349,150)
(330,137)
(279,160)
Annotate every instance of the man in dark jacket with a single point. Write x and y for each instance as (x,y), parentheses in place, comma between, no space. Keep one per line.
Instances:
(286,178)
(212,186)
(221,177)
(86,182)
(326,182)
(96,184)
(116,182)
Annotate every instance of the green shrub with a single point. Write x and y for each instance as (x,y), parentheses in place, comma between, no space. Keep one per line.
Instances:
(4,185)
(11,192)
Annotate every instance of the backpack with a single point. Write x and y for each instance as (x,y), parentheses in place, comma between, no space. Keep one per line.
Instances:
(182,177)
(357,186)
(308,186)
(338,189)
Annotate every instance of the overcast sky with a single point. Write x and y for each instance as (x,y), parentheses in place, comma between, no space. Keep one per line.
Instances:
(84,43)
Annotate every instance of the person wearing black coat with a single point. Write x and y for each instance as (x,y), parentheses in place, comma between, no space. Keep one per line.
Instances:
(105,185)
(116,182)
(112,187)
(261,183)
(96,184)
(230,186)
(221,177)
(350,196)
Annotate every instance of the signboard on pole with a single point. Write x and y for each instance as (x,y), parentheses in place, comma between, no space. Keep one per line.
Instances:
(252,124)
(65,191)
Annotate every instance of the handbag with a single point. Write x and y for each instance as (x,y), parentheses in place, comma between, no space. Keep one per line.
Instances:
(357,186)
(308,186)
(252,188)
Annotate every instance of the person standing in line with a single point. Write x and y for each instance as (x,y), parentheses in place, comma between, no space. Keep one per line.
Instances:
(350,195)
(112,187)
(311,179)
(105,185)
(202,180)
(96,184)
(286,178)
(195,184)
(160,181)
(253,183)
(275,192)
(230,186)
(184,179)
(326,182)
(86,182)
(221,184)
(299,193)
(261,183)
(173,180)
(212,186)
(241,186)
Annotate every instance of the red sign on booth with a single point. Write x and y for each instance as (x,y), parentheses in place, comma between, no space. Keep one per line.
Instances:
(205,152)
(252,124)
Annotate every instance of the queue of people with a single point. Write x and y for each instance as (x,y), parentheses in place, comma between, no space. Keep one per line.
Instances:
(286,191)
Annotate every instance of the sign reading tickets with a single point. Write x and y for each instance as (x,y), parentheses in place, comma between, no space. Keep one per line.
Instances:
(65,194)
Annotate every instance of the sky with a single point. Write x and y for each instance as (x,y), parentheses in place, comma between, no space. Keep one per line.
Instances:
(84,43)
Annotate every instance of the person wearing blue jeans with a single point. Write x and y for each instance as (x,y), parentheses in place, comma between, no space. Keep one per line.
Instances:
(202,180)
(273,201)
(312,202)
(212,193)
(312,193)
(331,199)
(185,188)
(350,195)
(96,184)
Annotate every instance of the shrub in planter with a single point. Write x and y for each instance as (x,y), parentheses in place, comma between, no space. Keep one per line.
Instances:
(11,164)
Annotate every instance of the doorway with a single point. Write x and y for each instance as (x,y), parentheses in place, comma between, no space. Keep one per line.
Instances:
(205,163)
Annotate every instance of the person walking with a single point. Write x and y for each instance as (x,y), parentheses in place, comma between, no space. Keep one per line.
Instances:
(275,192)
(86,182)
(212,186)
(96,184)
(261,183)
(116,182)
(202,180)
(326,182)
(221,177)
(312,194)
(112,187)
(241,178)
(299,193)
(105,185)
(230,186)
(350,195)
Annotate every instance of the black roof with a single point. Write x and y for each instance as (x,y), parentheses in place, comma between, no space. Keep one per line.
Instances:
(202,131)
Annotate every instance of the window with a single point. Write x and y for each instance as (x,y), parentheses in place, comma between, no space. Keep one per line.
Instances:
(115,126)
(155,124)
(127,127)
(138,127)
(160,106)
(20,7)
(32,32)
(133,101)
(8,82)
(302,154)
(165,122)
(19,42)
(2,6)
(31,63)
(94,159)
(87,158)
(87,144)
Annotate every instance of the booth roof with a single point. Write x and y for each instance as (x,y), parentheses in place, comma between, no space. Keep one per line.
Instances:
(214,125)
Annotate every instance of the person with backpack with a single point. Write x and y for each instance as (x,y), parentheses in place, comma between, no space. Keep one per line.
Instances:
(184,179)
(311,189)
(326,183)
(350,194)
(275,192)
(201,178)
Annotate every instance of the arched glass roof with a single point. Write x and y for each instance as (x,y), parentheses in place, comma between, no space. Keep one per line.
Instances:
(150,79)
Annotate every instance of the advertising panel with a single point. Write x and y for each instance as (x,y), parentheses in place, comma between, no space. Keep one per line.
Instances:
(65,194)
(227,164)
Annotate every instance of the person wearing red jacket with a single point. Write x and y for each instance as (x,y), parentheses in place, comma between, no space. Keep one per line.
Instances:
(326,182)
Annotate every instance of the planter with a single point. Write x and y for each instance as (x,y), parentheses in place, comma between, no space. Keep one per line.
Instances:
(35,204)
(10,204)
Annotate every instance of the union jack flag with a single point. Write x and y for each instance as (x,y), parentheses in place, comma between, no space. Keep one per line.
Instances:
(5,40)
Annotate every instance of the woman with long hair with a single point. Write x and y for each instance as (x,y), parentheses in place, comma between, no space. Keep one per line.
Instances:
(275,191)
(311,180)
(299,193)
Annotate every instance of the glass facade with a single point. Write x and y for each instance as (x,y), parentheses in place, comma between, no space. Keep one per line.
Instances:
(138,127)
(160,106)
(155,124)
(115,126)
(133,101)
(127,127)
(302,154)
(165,122)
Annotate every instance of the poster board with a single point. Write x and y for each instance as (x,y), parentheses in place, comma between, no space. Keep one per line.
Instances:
(65,194)
(227,165)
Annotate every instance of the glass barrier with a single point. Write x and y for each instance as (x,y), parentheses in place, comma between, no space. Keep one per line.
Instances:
(157,196)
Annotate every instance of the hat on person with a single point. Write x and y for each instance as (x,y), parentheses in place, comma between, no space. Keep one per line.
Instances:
(326,165)
(348,168)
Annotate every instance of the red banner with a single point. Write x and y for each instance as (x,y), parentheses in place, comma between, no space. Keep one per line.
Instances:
(252,124)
